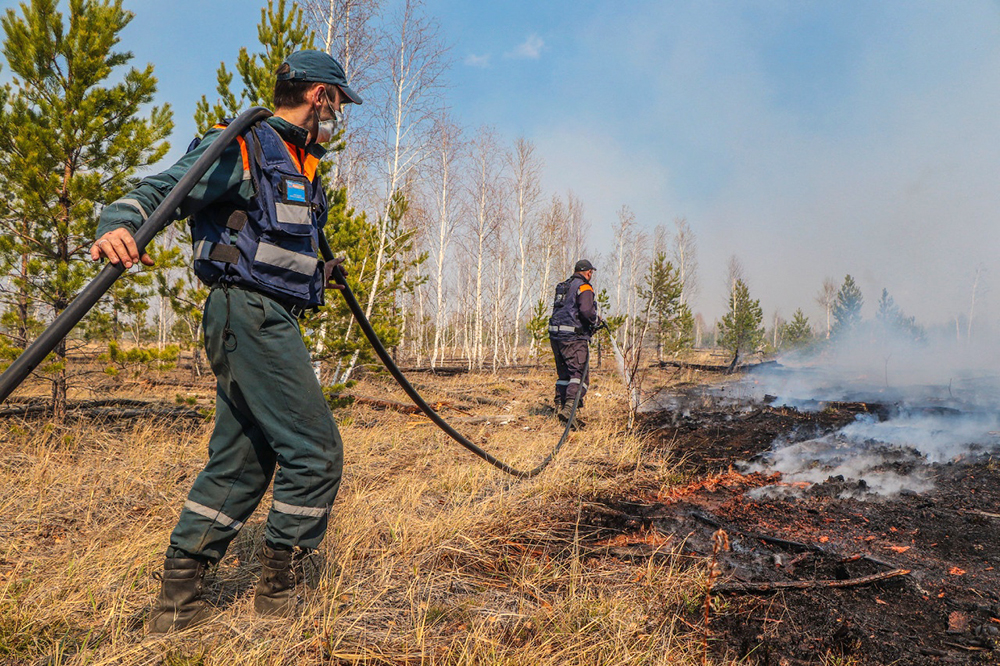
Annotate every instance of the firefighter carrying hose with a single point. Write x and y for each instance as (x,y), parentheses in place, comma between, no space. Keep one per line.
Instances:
(256,217)
(574,319)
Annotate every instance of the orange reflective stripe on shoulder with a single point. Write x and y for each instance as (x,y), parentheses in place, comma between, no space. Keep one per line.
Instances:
(297,154)
(293,152)
(586,287)
(243,146)
(309,168)
(306,163)
(243,153)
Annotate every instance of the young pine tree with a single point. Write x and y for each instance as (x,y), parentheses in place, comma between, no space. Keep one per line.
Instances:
(797,333)
(847,308)
(72,138)
(671,320)
(538,325)
(891,322)
(282,31)
(351,235)
(741,328)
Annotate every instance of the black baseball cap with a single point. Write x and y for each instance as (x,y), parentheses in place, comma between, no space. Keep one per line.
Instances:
(317,67)
(583,265)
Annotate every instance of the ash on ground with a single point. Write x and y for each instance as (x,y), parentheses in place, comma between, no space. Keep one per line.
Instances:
(885,510)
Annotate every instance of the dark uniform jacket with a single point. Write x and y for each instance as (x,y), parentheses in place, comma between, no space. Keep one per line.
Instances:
(574,312)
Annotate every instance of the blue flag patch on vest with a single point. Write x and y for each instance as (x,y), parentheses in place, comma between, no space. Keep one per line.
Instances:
(295,191)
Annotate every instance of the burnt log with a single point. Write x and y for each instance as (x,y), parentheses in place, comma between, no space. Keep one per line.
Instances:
(728,368)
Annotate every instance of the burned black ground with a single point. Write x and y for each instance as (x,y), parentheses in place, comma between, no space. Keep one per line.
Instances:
(945,610)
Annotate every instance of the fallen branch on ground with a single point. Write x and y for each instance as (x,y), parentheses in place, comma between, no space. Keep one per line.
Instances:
(753,588)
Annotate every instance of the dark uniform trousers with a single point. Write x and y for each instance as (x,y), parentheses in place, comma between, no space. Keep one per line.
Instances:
(269,410)
(571,361)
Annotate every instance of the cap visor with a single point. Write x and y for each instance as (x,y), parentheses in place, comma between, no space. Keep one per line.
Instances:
(351,95)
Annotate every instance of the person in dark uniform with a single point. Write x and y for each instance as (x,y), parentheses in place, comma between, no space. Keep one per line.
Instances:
(574,319)
(256,217)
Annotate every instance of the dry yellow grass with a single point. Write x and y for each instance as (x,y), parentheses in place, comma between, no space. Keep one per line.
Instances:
(432,556)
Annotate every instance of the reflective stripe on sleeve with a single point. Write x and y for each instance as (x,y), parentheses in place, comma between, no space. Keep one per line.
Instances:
(132,203)
(282,258)
(310,511)
(212,514)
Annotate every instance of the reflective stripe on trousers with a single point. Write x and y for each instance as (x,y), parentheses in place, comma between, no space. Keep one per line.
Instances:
(571,359)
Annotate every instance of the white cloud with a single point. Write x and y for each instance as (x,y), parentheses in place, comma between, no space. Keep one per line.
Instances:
(481,61)
(529,49)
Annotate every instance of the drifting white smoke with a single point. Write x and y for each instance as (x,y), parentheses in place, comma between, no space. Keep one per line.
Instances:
(935,403)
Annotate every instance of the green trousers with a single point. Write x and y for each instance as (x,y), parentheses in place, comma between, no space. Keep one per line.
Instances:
(269,410)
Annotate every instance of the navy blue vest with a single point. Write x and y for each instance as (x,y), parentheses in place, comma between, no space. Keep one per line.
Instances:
(272,246)
(564,324)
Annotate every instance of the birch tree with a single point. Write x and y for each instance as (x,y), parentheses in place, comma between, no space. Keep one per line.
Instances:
(443,183)
(525,168)
(734,273)
(826,297)
(551,236)
(578,228)
(636,262)
(486,198)
(685,259)
(415,60)
(544,252)
(623,233)
(349,31)
(976,288)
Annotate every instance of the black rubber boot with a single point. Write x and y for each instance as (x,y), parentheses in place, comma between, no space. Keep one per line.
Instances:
(275,595)
(179,605)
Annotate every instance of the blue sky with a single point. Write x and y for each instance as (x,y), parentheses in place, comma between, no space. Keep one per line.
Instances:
(811,139)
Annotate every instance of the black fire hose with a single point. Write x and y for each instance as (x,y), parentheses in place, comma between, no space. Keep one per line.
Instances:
(383,354)
(85,300)
(160,218)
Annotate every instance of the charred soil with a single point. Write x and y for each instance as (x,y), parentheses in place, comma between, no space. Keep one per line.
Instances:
(828,573)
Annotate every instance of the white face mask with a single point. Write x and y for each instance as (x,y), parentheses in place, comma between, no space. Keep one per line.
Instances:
(327,128)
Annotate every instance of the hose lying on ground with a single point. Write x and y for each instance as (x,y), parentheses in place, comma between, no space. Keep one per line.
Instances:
(160,218)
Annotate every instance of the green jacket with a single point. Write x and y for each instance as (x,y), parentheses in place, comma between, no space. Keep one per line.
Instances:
(223,182)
